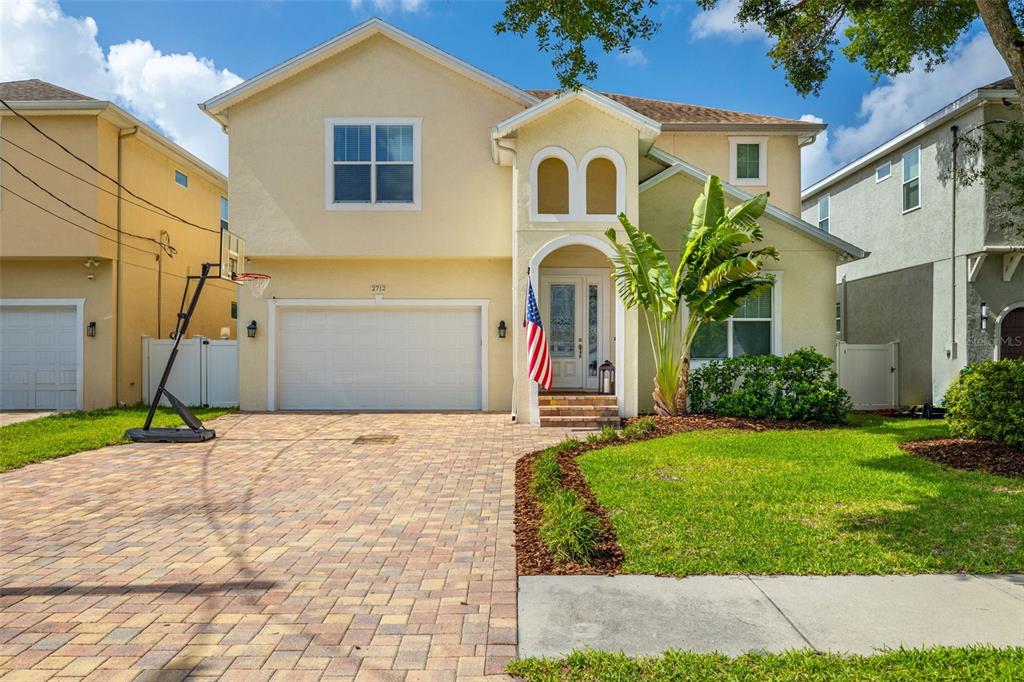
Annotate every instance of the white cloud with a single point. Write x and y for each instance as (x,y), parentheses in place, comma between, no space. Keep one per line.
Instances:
(389,6)
(721,21)
(635,57)
(900,102)
(37,40)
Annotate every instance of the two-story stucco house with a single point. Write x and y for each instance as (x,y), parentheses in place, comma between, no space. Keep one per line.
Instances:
(400,199)
(86,267)
(943,279)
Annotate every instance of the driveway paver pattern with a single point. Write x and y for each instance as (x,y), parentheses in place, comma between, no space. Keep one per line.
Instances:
(280,550)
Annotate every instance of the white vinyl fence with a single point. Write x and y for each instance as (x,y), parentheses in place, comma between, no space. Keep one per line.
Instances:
(870,373)
(205,372)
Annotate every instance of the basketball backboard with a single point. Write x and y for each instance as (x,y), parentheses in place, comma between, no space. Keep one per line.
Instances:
(232,255)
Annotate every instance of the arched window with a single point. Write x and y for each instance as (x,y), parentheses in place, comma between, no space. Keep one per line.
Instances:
(602,187)
(552,187)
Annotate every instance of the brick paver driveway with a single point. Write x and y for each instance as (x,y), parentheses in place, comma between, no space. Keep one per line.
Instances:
(281,549)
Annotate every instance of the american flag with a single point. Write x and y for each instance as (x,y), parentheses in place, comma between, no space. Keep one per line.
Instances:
(536,343)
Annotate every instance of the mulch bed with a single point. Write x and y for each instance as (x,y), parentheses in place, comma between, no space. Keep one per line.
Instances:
(532,557)
(970,454)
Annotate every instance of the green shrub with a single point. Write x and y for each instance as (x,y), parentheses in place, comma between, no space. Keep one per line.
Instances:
(987,401)
(565,445)
(639,427)
(546,475)
(800,386)
(567,529)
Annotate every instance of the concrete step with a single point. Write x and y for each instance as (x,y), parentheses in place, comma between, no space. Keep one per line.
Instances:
(579,422)
(579,411)
(594,399)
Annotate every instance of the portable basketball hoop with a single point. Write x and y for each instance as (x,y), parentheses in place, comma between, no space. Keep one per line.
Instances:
(231,268)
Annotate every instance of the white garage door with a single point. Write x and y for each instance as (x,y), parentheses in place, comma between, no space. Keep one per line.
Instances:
(380,359)
(38,358)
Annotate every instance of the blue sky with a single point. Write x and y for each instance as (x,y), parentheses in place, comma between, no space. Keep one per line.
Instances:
(144,47)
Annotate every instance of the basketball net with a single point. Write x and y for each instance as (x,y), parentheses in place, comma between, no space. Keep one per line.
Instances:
(255,282)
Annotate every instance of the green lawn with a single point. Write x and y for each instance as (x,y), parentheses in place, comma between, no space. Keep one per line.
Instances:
(833,501)
(70,432)
(940,664)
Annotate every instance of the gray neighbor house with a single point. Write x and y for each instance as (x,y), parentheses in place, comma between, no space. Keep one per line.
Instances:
(940,261)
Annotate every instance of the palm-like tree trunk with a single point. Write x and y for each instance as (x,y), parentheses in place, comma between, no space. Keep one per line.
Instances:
(684,385)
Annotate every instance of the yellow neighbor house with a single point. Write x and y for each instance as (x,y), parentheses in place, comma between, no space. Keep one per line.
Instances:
(400,199)
(86,268)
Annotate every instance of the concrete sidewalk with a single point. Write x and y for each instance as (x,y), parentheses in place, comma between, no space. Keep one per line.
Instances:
(641,615)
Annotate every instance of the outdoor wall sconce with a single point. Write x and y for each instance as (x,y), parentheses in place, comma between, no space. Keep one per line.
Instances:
(250,330)
(502,329)
(984,317)
(90,329)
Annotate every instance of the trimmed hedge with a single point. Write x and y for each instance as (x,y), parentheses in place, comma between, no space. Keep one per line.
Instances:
(987,401)
(799,386)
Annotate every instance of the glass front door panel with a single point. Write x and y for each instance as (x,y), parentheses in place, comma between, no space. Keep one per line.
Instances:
(592,330)
(563,320)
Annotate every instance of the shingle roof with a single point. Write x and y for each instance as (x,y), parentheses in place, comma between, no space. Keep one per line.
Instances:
(1001,84)
(677,112)
(35,90)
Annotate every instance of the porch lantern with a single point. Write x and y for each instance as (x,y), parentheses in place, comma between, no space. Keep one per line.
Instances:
(983,322)
(90,329)
(606,378)
(502,329)
(250,330)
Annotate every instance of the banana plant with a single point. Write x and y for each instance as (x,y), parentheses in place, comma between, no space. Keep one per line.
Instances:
(717,271)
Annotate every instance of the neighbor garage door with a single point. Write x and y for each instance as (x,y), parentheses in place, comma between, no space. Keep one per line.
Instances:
(379,358)
(38,358)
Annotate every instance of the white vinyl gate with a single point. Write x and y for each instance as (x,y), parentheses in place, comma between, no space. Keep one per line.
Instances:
(205,371)
(870,373)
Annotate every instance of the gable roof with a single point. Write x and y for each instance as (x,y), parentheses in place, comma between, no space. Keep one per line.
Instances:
(681,116)
(35,90)
(215,106)
(646,126)
(676,166)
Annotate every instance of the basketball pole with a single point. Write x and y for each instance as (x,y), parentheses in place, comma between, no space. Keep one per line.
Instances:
(196,432)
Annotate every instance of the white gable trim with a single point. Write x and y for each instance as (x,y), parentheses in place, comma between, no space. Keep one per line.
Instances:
(648,127)
(215,106)
(677,165)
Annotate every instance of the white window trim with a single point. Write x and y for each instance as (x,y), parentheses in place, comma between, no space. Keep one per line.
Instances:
(886,176)
(776,324)
(417,165)
(276,304)
(827,196)
(79,305)
(578,186)
(762,157)
(903,184)
(184,175)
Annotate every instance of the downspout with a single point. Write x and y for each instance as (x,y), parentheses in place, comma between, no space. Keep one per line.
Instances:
(119,277)
(952,249)
(515,171)
(159,280)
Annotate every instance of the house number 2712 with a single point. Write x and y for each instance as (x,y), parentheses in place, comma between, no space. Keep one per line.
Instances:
(378,288)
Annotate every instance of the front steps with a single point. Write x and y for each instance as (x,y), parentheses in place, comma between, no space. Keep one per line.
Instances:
(579,411)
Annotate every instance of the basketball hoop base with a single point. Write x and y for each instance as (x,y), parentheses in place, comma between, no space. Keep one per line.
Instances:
(170,435)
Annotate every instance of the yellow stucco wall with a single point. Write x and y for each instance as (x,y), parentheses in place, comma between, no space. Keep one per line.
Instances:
(404,278)
(58,250)
(277,158)
(807,267)
(710,152)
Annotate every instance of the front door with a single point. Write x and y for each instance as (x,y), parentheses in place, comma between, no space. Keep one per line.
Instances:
(571,307)
(1011,333)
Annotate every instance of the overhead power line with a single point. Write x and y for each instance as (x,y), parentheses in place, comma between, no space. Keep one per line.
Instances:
(71,222)
(166,248)
(100,188)
(108,177)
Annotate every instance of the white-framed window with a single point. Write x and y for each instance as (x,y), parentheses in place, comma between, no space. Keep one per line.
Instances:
(839,319)
(823,212)
(223,213)
(912,180)
(372,164)
(180,178)
(748,160)
(755,329)
(883,172)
